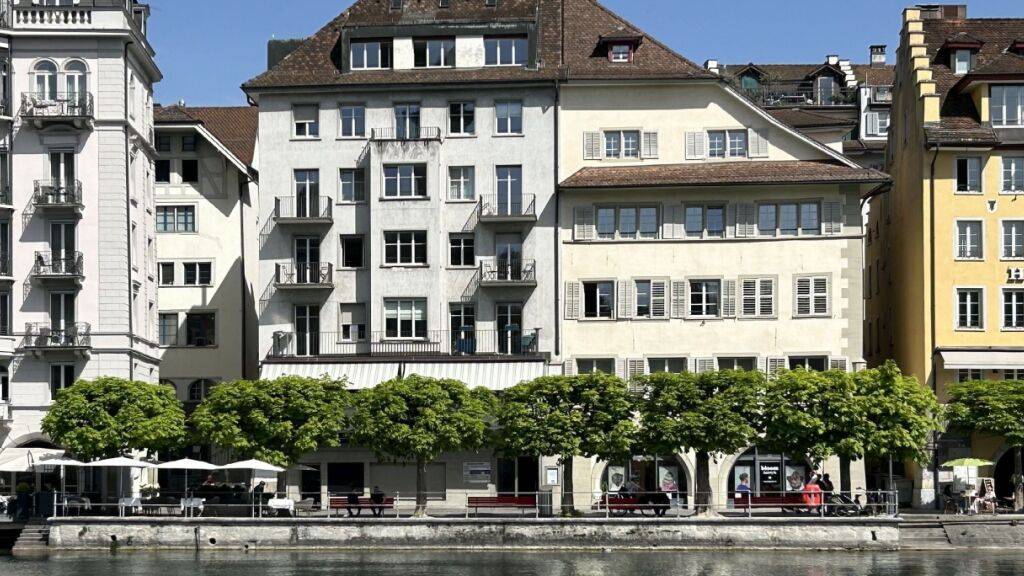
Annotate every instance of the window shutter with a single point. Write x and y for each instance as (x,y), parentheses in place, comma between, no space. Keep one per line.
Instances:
(569,367)
(704,365)
(757,143)
(695,146)
(583,225)
(678,298)
(803,296)
(748,306)
(872,118)
(625,299)
(649,143)
(572,300)
(746,224)
(659,308)
(621,368)
(775,365)
(730,221)
(635,367)
(822,292)
(767,296)
(728,298)
(837,364)
(833,224)
(592,148)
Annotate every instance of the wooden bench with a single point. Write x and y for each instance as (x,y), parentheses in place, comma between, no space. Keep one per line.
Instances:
(341,503)
(619,504)
(795,500)
(522,503)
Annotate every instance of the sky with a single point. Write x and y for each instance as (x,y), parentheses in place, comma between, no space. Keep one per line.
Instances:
(208,48)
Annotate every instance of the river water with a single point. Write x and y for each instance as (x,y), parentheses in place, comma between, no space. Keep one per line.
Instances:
(617,563)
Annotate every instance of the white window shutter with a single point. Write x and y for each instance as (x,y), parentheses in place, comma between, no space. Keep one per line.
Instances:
(702,365)
(775,365)
(572,300)
(728,298)
(659,297)
(635,367)
(838,364)
(674,227)
(583,224)
(621,368)
(625,299)
(695,148)
(833,222)
(569,367)
(592,148)
(757,146)
(822,295)
(803,297)
(730,221)
(746,221)
(748,297)
(872,118)
(678,298)
(649,143)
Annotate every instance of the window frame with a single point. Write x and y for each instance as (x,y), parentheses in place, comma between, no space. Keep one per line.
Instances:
(461,115)
(800,229)
(617,56)
(356,121)
(1003,225)
(416,333)
(464,184)
(311,128)
(957,256)
(758,297)
(705,209)
(414,240)
(620,134)
(358,186)
(175,209)
(1019,301)
(1002,120)
(957,324)
(1016,173)
(638,234)
(213,327)
(705,305)
(423,48)
(344,251)
(509,131)
(385,54)
(417,181)
(198,273)
(461,238)
(594,365)
(665,360)
(727,150)
(598,307)
(956,61)
(503,43)
(812,295)
(175,336)
(957,172)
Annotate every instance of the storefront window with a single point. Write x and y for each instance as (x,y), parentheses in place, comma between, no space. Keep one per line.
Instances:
(646,474)
(768,474)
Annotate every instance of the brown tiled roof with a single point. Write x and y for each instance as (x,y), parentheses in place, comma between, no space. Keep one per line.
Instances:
(862,146)
(800,118)
(234,126)
(781,72)
(379,12)
(875,75)
(722,173)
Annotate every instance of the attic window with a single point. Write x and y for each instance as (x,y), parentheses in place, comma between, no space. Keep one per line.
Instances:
(620,53)
(961,61)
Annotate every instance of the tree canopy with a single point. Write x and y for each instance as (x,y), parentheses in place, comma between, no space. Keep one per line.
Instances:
(903,414)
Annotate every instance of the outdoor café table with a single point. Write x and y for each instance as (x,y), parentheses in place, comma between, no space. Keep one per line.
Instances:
(286,504)
(134,503)
(190,505)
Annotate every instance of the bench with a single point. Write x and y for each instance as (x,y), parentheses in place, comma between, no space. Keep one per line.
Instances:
(619,504)
(341,503)
(795,500)
(495,502)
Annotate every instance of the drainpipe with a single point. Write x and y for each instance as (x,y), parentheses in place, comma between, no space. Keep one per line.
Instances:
(933,376)
(558,230)
(128,218)
(244,181)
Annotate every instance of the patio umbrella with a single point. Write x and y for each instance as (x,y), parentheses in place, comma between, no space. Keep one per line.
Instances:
(119,462)
(61,461)
(973,463)
(253,466)
(187,464)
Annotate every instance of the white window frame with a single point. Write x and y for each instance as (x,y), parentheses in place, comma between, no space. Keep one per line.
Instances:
(310,128)
(1019,318)
(593,365)
(410,307)
(957,325)
(705,232)
(758,297)
(351,123)
(460,239)
(611,297)
(1003,92)
(728,150)
(704,306)
(966,242)
(365,46)
(1013,166)
(664,359)
(960,64)
(445,45)
(620,151)
(175,209)
(462,184)
(417,184)
(508,44)
(1016,237)
(198,265)
(406,238)
(638,234)
(618,56)
(977,189)
(508,106)
(358,193)
(462,114)
(176,336)
(812,296)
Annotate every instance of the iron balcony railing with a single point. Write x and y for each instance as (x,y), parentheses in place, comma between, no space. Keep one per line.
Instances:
(57,194)
(410,133)
(60,105)
(303,208)
(58,265)
(73,335)
(466,342)
(508,271)
(308,274)
(805,93)
(500,207)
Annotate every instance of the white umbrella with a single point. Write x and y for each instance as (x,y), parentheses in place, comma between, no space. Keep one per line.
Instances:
(187,464)
(61,461)
(254,465)
(119,462)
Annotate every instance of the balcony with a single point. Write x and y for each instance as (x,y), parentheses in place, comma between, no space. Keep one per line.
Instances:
(51,195)
(57,266)
(508,273)
(433,343)
(44,109)
(299,210)
(412,134)
(782,94)
(316,276)
(881,94)
(496,208)
(42,337)
(6,198)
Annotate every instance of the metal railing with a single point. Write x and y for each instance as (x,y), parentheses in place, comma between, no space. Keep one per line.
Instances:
(59,105)
(59,264)
(57,194)
(303,207)
(45,336)
(496,207)
(313,274)
(403,134)
(803,93)
(467,342)
(508,271)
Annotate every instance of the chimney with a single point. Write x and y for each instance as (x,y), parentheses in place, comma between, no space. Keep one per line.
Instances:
(878,58)
(832,59)
(181,103)
(943,11)
(712,66)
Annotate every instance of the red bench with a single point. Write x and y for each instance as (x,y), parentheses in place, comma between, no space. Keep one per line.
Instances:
(795,500)
(496,502)
(619,504)
(341,503)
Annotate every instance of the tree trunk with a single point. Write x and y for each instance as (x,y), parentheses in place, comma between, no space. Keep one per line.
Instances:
(1018,479)
(702,484)
(568,503)
(844,477)
(421,488)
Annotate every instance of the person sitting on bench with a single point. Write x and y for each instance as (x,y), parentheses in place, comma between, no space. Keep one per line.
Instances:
(353,502)
(377,502)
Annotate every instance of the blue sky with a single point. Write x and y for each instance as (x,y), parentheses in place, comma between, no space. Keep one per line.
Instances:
(207,48)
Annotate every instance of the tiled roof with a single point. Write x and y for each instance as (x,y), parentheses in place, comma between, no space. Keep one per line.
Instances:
(234,126)
(800,118)
(862,146)
(379,12)
(721,173)
(875,75)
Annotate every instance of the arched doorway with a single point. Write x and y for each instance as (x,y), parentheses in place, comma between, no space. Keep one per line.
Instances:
(649,474)
(1004,474)
(768,473)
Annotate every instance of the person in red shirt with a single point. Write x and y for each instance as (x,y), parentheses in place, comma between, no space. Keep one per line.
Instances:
(812,495)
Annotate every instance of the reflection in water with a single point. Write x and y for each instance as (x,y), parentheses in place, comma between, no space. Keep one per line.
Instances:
(519,563)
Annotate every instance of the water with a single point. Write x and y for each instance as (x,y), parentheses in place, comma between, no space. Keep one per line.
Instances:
(383,563)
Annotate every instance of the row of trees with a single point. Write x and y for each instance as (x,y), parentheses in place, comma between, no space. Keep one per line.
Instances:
(878,413)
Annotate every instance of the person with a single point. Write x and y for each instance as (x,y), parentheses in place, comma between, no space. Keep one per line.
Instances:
(955,498)
(377,501)
(353,502)
(812,495)
(743,491)
(827,490)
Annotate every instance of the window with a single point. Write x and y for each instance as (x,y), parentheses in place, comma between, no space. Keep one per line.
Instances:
(757,297)
(671,365)
(968,240)
(462,249)
(405,318)
(200,329)
(628,222)
(353,121)
(307,121)
(826,86)
(1017,374)
(968,174)
(198,273)
(163,143)
(163,171)
(1013,308)
(969,308)
(1013,174)
(189,143)
(737,363)
(405,248)
(370,55)
(405,181)
(190,171)
(737,143)
(407,121)
(767,221)
(701,221)
(167,273)
(814,363)
(351,251)
(198,390)
(175,218)
(651,301)
(438,53)
(462,118)
(510,117)
(969,375)
(460,183)
(353,185)
(598,299)
(961,61)
(168,329)
(620,53)
(1013,239)
(606,222)
(595,365)
(727,143)
(510,51)
(1007,105)
(788,220)
(812,297)
(877,123)
(61,376)
(622,144)
(353,322)
(810,219)
(705,298)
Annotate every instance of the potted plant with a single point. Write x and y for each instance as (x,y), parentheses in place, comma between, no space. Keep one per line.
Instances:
(150,491)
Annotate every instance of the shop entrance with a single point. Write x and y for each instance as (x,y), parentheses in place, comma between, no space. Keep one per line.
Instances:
(768,474)
(518,476)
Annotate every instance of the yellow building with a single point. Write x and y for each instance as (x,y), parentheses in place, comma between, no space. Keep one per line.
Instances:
(944,268)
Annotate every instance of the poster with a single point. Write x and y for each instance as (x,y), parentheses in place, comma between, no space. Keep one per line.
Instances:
(770,473)
(476,472)
(551,476)
(743,470)
(796,477)
(668,478)
(616,478)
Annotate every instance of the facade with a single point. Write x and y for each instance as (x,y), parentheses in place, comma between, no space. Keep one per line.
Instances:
(946,287)
(77,234)
(207,261)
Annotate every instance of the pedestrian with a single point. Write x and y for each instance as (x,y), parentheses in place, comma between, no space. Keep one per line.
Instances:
(827,489)
(353,502)
(812,495)
(377,502)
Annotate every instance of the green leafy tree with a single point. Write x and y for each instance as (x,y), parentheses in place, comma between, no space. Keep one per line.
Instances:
(712,414)
(277,421)
(110,417)
(568,416)
(794,416)
(993,407)
(418,418)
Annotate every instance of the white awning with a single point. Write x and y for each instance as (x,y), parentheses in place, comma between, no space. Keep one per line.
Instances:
(982,359)
(359,374)
(492,375)
(23,459)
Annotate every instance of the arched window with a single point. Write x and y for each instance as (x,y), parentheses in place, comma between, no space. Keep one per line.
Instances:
(198,389)
(45,80)
(75,74)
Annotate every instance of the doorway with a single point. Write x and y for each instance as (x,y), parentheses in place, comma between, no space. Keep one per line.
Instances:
(518,476)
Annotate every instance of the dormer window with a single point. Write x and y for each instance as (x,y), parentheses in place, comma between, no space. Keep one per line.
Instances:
(505,51)
(961,61)
(620,53)
(371,54)
(1006,106)
(439,53)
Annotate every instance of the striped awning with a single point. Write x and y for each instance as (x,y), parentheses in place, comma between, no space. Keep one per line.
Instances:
(359,374)
(492,375)
(982,359)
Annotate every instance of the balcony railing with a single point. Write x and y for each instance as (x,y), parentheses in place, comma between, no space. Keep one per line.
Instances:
(33,15)
(801,94)
(303,209)
(39,105)
(497,207)
(508,272)
(56,194)
(405,134)
(315,275)
(881,94)
(6,198)
(58,265)
(467,342)
(44,336)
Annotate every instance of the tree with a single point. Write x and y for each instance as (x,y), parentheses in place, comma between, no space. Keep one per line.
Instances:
(110,417)
(568,416)
(993,408)
(418,418)
(277,421)
(712,414)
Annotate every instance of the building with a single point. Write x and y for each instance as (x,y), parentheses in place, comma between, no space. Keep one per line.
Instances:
(946,285)
(77,238)
(207,260)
